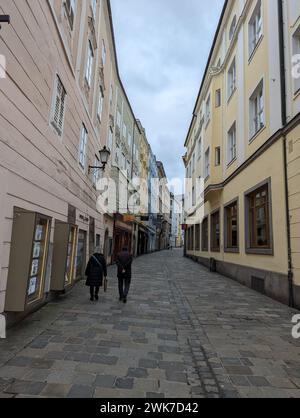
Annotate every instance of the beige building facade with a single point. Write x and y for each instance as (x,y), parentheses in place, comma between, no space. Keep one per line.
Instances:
(242,226)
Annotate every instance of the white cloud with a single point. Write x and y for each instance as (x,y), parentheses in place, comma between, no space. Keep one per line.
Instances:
(162,47)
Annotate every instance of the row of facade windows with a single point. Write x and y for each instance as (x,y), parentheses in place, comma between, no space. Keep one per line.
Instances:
(258,225)
(257,123)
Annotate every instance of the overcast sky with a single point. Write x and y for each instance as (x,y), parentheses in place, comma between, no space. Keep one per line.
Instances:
(162,47)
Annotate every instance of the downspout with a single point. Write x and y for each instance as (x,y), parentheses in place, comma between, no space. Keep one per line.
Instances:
(284,122)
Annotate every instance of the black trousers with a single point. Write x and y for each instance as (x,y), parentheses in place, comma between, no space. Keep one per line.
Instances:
(94,290)
(124,286)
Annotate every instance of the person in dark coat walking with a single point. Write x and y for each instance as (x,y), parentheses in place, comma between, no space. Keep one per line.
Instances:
(124,263)
(95,271)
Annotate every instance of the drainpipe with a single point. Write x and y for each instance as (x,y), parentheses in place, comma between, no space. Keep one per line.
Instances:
(284,122)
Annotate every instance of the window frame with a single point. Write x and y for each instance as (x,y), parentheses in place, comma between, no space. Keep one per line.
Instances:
(213,215)
(207,164)
(205,234)
(228,248)
(83,147)
(254,116)
(296,51)
(100,104)
(217,156)
(218,98)
(231,79)
(59,128)
(232,28)
(253,38)
(231,145)
(263,250)
(89,64)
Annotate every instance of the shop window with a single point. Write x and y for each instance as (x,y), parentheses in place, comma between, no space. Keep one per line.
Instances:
(28,260)
(205,234)
(215,232)
(231,224)
(259,220)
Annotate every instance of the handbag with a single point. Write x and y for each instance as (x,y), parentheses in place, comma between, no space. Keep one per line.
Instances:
(105,281)
(105,284)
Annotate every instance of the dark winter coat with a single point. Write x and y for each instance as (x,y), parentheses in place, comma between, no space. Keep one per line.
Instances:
(96,270)
(124,262)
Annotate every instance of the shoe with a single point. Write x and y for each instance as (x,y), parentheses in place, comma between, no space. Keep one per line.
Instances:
(125,300)
(92,299)
(120,299)
(97,297)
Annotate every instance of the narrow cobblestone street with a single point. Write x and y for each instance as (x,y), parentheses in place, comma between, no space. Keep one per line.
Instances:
(185,332)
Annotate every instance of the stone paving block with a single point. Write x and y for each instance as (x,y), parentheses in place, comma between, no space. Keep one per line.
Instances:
(78,357)
(25,387)
(110,360)
(81,392)
(155,356)
(20,361)
(124,383)
(258,381)
(175,376)
(137,372)
(13,372)
(55,390)
(63,376)
(239,370)
(85,379)
(239,380)
(105,381)
(155,395)
(148,364)
(37,375)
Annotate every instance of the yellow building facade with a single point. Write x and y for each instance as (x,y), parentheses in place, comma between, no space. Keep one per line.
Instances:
(243,225)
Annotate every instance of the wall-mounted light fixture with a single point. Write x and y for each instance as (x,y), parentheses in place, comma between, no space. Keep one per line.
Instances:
(104,157)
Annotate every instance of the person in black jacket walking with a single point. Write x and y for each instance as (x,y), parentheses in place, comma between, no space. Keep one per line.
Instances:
(95,271)
(124,263)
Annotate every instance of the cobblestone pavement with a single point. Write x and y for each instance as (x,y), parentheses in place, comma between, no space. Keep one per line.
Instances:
(185,332)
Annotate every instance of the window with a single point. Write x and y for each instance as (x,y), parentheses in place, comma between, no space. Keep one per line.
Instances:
(199,149)
(193,196)
(70,7)
(232,28)
(197,237)
(207,110)
(296,53)
(257,110)
(232,144)
(94,8)
(205,234)
(231,231)
(100,104)
(194,163)
(58,108)
(103,53)
(207,164)
(255,28)
(111,95)
(218,98)
(231,79)
(215,232)
(89,64)
(123,161)
(117,154)
(218,156)
(119,117)
(124,131)
(110,139)
(96,173)
(258,220)
(82,147)
(129,139)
